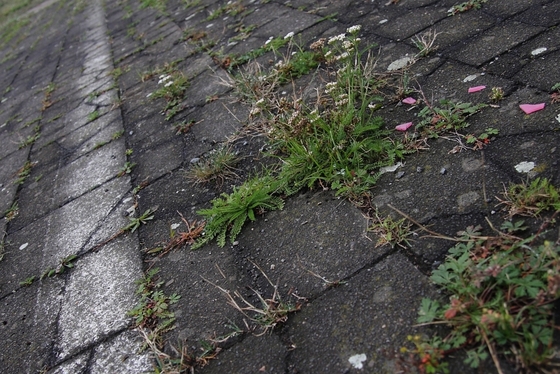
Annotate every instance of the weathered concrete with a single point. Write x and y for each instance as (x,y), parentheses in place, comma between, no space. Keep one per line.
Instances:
(98,58)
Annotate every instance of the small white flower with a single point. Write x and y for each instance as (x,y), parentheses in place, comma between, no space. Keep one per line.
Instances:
(260,101)
(342,56)
(347,44)
(168,84)
(341,102)
(328,53)
(354,29)
(337,38)
(269,40)
(289,35)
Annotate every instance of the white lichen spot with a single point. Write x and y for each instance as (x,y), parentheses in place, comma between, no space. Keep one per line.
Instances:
(357,361)
(525,166)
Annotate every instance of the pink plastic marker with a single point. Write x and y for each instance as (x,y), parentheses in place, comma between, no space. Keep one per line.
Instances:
(403,127)
(476,89)
(409,100)
(531,108)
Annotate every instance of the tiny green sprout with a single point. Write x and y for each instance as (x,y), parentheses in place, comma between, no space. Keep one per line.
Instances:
(126,169)
(135,223)
(66,263)
(12,212)
(100,144)
(128,152)
(116,135)
(93,115)
(27,282)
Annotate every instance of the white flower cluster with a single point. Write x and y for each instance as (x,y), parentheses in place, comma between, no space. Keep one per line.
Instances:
(164,79)
(343,99)
(354,29)
(289,35)
(331,86)
(338,38)
(342,56)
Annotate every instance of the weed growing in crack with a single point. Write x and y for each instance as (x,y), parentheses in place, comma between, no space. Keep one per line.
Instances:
(126,169)
(65,264)
(448,116)
(136,222)
(24,172)
(229,212)
(484,138)
(502,292)
(530,199)
(47,102)
(218,166)
(27,282)
(31,139)
(182,361)
(338,143)
(425,43)
(555,94)
(270,313)
(181,238)
(160,5)
(465,6)
(12,212)
(93,115)
(229,62)
(152,310)
(172,89)
(391,231)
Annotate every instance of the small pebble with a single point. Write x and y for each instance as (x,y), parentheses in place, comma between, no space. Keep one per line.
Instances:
(443,171)
(195,160)
(400,174)
(419,169)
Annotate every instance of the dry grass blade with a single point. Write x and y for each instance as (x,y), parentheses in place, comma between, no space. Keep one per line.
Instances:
(273,310)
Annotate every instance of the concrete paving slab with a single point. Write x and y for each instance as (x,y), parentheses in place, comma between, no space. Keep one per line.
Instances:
(24,314)
(99,292)
(411,23)
(297,245)
(495,41)
(264,354)
(59,234)
(331,329)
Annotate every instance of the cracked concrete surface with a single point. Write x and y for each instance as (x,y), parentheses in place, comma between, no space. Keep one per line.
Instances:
(73,199)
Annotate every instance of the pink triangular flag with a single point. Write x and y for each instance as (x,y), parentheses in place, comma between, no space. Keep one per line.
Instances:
(531,108)
(409,100)
(476,89)
(403,127)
